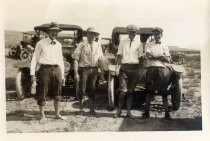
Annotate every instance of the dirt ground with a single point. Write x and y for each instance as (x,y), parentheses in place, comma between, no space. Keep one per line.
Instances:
(23,116)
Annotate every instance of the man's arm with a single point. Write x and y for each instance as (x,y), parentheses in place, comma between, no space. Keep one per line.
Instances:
(77,54)
(61,63)
(34,61)
(76,74)
(159,57)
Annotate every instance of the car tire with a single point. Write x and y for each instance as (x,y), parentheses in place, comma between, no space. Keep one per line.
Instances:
(25,54)
(12,52)
(23,87)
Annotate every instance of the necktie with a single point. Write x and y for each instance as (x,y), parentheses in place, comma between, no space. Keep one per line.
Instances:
(130,42)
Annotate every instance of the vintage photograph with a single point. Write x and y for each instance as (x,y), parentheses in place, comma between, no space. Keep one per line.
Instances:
(104,66)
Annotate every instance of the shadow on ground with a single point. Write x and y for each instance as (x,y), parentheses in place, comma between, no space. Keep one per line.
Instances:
(160,124)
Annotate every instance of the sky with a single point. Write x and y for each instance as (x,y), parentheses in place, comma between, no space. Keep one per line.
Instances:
(185,22)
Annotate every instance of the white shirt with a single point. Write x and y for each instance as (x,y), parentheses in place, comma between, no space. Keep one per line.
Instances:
(48,54)
(156,50)
(130,54)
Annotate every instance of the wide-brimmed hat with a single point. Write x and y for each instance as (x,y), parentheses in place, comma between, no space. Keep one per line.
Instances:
(92,30)
(157,30)
(132,28)
(54,26)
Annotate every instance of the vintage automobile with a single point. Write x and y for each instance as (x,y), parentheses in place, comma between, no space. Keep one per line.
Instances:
(69,37)
(144,35)
(25,49)
(106,44)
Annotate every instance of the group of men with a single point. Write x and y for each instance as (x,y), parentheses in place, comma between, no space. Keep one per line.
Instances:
(88,56)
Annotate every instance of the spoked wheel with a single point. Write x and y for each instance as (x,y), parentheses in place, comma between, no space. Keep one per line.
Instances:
(25,54)
(180,60)
(23,83)
(12,52)
(176,94)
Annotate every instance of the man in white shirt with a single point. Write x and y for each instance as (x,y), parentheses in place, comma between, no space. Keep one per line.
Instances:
(86,58)
(157,53)
(48,62)
(128,55)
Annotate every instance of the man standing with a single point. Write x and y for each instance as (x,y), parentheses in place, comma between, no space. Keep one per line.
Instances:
(48,59)
(157,53)
(86,58)
(128,55)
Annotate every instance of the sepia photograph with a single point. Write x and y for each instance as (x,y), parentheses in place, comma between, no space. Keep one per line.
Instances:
(106,66)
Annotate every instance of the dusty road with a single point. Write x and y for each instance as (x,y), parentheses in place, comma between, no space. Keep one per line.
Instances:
(23,116)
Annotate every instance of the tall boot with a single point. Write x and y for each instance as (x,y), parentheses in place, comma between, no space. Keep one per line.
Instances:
(81,112)
(129,98)
(146,113)
(120,104)
(92,108)
(165,104)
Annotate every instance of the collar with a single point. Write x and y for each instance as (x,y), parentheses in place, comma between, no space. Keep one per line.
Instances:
(51,41)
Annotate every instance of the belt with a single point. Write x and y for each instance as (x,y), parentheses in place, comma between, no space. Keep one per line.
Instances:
(88,68)
(48,65)
(131,66)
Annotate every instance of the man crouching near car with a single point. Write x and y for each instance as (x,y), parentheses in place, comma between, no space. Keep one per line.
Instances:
(50,75)
(129,53)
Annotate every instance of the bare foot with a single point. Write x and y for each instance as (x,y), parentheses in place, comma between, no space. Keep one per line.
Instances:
(42,120)
(60,117)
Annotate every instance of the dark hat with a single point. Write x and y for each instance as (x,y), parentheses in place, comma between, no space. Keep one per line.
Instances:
(157,30)
(92,30)
(54,26)
(132,28)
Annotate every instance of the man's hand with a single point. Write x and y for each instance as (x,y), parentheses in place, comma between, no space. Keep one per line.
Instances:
(117,70)
(76,77)
(63,82)
(33,79)
(165,59)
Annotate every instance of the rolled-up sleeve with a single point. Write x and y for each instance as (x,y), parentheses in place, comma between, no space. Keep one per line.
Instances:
(77,52)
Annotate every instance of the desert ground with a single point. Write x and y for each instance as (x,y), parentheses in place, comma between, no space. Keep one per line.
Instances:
(23,116)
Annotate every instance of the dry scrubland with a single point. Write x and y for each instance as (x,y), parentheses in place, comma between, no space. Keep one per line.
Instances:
(12,38)
(23,116)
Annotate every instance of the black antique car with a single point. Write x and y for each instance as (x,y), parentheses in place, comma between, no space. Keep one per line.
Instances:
(145,36)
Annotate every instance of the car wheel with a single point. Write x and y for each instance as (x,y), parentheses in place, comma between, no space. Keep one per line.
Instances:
(180,61)
(23,84)
(12,52)
(25,54)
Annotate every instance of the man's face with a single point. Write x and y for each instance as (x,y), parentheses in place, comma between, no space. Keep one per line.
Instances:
(53,34)
(158,37)
(90,37)
(131,35)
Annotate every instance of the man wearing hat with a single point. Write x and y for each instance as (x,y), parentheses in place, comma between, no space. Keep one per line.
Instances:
(86,58)
(48,60)
(129,52)
(157,53)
